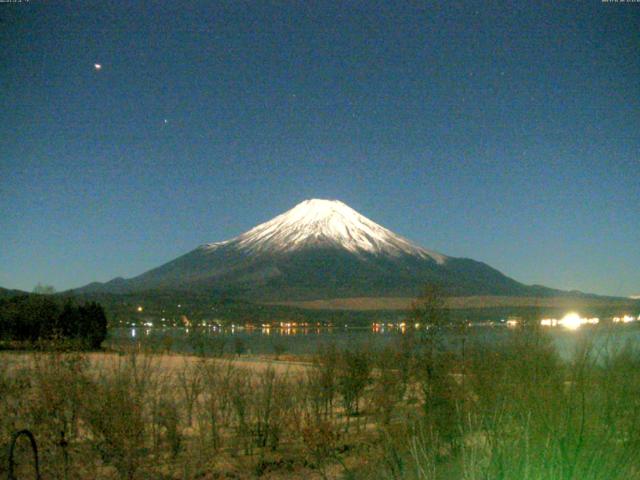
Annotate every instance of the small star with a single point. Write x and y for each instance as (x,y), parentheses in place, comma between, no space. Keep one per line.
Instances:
(97,66)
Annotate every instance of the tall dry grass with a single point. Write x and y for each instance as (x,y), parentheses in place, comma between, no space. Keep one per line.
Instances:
(418,409)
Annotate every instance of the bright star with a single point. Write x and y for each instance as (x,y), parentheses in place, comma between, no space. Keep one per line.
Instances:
(97,66)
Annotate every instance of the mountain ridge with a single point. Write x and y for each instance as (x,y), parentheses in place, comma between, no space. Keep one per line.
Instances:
(320,249)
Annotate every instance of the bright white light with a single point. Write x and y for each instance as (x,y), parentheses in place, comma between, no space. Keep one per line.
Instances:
(97,66)
(572,321)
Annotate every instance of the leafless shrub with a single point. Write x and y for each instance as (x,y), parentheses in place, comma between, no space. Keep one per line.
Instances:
(115,414)
(240,395)
(388,384)
(168,418)
(321,439)
(321,380)
(270,402)
(353,376)
(189,379)
(216,405)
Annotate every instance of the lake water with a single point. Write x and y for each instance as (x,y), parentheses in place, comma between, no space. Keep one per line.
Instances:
(307,341)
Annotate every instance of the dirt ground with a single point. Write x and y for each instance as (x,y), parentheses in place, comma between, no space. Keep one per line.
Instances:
(167,363)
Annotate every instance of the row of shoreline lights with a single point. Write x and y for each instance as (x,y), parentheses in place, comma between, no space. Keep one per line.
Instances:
(573,321)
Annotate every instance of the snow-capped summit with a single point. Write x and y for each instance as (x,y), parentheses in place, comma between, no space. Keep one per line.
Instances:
(318,222)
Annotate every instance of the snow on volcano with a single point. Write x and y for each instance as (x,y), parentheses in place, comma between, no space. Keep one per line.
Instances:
(317,223)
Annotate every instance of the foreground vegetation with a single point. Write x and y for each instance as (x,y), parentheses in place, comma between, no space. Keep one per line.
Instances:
(414,410)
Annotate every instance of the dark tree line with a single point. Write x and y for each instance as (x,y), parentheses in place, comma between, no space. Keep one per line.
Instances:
(38,317)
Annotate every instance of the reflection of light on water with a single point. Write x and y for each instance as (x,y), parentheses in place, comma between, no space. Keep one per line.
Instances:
(401,327)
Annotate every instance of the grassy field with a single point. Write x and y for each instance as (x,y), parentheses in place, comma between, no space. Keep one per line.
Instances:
(412,410)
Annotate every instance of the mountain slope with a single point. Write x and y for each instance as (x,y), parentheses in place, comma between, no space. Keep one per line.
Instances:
(7,293)
(320,249)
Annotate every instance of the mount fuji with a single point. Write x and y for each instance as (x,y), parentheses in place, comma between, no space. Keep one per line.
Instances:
(320,249)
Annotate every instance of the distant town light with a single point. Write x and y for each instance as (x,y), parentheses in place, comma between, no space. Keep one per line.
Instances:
(624,319)
(139,308)
(572,321)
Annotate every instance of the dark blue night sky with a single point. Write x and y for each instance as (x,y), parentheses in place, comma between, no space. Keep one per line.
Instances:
(504,132)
